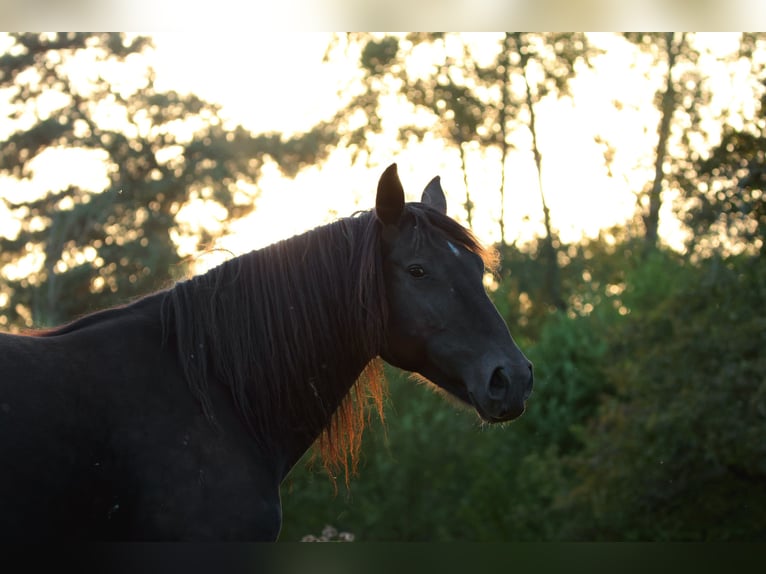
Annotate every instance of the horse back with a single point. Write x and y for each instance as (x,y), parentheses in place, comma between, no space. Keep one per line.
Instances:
(100,439)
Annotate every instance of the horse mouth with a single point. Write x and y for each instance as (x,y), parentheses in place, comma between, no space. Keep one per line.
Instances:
(503,418)
(458,389)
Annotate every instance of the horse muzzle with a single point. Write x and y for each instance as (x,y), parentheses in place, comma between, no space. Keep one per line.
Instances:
(503,397)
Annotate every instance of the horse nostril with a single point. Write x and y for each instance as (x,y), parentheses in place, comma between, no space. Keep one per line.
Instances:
(498,384)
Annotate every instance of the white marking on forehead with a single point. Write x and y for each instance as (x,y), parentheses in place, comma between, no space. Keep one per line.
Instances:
(453,249)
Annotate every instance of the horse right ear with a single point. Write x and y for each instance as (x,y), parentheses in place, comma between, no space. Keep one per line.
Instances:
(389,202)
(433,195)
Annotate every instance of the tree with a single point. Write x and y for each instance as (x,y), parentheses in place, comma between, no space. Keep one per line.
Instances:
(682,102)
(724,190)
(556,55)
(477,104)
(158,155)
(667,105)
(452,93)
(676,452)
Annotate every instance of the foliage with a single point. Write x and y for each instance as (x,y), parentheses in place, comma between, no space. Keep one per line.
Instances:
(591,271)
(408,490)
(91,242)
(481,103)
(722,190)
(726,201)
(677,452)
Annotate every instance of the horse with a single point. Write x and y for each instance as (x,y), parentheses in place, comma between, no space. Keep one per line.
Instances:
(178,415)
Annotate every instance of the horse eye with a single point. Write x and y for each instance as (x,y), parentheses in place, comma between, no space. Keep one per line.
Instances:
(416,271)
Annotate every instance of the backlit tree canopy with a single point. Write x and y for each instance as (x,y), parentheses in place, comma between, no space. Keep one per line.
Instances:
(105,175)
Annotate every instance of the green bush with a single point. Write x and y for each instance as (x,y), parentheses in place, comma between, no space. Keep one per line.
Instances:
(437,473)
(678,452)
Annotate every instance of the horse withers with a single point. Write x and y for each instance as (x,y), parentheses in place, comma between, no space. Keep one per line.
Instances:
(177,416)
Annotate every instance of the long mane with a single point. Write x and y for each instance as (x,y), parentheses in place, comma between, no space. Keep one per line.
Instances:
(288,329)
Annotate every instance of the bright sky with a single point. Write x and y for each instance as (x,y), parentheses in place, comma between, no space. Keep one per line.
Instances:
(278,82)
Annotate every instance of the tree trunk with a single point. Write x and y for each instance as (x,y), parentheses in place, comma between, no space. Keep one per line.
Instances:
(505,62)
(667,107)
(553,280)
(468,203)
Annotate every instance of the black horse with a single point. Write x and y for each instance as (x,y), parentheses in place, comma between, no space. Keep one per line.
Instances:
(177,417)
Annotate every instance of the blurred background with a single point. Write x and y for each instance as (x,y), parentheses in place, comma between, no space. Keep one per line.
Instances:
(620,176)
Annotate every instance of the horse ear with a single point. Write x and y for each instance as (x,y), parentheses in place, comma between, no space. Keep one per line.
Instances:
(433,195)
(389,202)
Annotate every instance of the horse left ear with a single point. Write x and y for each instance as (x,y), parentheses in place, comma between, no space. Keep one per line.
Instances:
(433,195)
(389,202)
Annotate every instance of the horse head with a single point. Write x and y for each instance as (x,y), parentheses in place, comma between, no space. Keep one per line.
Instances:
(441,323)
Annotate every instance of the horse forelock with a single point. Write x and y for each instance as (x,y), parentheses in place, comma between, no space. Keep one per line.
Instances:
(431,224)
(288,328)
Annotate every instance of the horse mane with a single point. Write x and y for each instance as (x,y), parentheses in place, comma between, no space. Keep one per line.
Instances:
(98,317)
(288,328)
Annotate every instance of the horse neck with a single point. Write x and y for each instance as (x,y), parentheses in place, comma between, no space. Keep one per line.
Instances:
(288,329)
(333,315)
